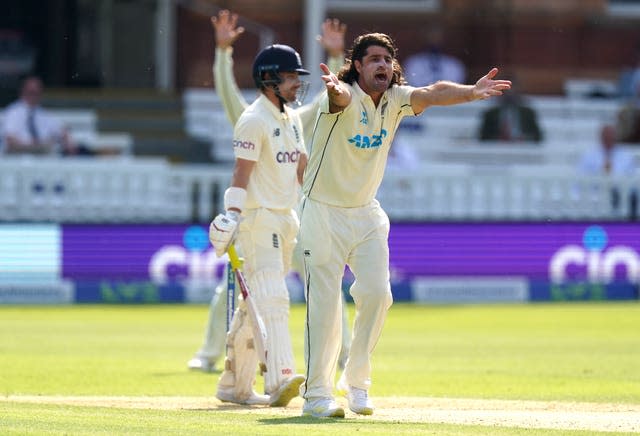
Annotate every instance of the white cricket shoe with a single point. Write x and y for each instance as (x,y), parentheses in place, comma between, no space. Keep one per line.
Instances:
(287,391)
(358,399)
(322,407)
(200,363)
(227,395)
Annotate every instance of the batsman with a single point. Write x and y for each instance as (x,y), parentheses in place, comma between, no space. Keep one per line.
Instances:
(270,157)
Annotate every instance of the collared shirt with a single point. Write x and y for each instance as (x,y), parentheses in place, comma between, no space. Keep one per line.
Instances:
(273,140)
(349,149)
(16,124)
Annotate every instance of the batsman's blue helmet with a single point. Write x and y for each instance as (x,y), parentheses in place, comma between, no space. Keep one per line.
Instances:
(276,59)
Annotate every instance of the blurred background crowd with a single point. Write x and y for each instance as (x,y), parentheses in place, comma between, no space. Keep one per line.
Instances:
(121,123)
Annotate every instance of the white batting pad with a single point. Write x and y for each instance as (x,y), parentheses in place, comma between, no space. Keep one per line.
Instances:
(242,359)
(269,291)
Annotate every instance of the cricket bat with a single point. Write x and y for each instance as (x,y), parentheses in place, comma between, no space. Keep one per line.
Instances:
(257,324)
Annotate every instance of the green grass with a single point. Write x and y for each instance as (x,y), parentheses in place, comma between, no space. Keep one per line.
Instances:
(563,352)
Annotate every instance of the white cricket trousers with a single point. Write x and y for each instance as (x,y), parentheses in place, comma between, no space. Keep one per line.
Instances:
(331,237)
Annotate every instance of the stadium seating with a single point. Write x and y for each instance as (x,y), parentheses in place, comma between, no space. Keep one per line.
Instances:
(458,178)
(83,127)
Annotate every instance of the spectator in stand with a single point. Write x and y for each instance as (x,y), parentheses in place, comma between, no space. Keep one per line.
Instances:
(629,117)
(432,64)
(608,159)
(511,119)
(630,77)
(28,128)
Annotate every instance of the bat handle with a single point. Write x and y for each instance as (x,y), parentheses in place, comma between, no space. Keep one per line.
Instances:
(233,257)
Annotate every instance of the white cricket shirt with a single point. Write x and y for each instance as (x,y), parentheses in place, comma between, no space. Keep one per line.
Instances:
(274,141)
(349,149)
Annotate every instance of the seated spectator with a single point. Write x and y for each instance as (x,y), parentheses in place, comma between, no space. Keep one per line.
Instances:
(30,129)
(629,118)
(431,64)
(511,119)
(608,159)
(630,77)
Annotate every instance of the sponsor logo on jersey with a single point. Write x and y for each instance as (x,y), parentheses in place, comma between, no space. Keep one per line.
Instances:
(288,156)
(247,145)
(364,141)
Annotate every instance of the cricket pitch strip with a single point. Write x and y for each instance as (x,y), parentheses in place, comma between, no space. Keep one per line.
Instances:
(604,417)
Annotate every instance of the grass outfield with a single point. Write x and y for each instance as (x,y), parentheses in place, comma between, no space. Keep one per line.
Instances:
(122,370)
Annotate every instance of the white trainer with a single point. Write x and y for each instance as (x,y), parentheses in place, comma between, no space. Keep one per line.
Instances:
(322,408)
(358,399)
(287,391)
(227,395)
(200,363)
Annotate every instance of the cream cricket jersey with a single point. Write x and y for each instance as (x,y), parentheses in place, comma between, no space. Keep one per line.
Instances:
(274,141)
(349,149)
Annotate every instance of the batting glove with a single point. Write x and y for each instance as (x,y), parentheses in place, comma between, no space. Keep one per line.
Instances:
(222,231)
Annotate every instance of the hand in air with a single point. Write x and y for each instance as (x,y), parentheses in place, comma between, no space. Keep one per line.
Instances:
(486,87)
(332,38)
(333,85)
(226,28)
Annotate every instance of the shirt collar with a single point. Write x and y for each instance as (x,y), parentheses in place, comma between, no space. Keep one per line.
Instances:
(363,95)
(273,109)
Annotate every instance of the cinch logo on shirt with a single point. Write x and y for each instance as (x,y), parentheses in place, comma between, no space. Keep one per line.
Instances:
(363,141)
(247,145)
(288,156)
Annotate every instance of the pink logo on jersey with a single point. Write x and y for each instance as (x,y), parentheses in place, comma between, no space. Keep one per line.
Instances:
(288,156)
(247,145)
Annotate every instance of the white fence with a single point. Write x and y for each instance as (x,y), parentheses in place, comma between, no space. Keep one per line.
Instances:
(122,189)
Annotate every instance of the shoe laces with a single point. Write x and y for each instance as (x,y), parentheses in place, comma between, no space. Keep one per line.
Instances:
(359,395)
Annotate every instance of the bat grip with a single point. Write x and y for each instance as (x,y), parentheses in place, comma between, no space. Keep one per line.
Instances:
(233,257)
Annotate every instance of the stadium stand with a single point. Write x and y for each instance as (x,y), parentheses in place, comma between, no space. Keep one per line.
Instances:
(83,126)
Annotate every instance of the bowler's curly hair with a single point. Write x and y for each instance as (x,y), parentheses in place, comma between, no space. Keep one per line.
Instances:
(348,72)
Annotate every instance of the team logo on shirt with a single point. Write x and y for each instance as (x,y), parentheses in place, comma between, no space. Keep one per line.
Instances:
(364,141)
(247,145)
(288,156)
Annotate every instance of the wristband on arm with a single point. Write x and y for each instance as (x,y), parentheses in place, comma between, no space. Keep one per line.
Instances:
(234,198)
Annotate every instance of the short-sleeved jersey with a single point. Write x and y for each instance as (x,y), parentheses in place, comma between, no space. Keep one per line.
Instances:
(274,140)
(349,149)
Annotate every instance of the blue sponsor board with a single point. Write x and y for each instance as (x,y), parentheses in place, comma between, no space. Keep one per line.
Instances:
(581,291)
(128,292)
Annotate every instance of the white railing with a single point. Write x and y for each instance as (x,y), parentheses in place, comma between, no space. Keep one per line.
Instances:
(124,189)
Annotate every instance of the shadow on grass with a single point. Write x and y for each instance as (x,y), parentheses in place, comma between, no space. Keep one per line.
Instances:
(302,420)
